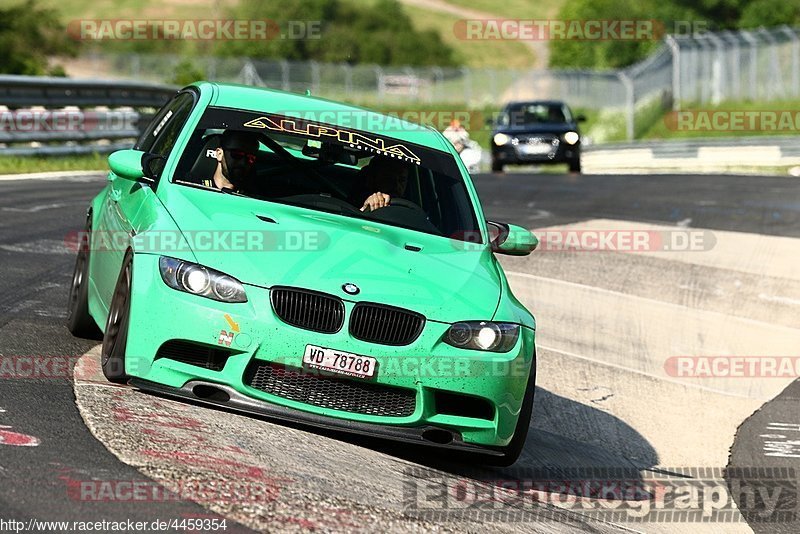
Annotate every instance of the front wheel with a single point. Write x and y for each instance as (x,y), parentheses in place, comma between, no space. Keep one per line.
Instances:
(511,452)
(115,339)
(79,322)
(575,165)
(497,166)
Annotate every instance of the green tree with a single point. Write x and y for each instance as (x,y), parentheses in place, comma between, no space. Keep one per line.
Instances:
(339,31)
(28,35)
(614,53)
(770,13)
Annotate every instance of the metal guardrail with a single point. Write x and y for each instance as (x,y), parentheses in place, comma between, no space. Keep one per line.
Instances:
(19,91)
(694,154)
(58,116)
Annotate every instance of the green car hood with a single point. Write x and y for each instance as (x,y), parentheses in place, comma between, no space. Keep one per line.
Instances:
(322,252)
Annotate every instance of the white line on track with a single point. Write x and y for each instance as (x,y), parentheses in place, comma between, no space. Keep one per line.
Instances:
(642,373)
(80,175)
(645,299)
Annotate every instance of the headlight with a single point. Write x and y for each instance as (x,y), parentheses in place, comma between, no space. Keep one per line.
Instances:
(501,139)
(572,137)
(200,281)
(483,335)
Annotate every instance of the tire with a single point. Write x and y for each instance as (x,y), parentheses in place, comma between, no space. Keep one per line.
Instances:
(497,166)
(79,322)
(511,452)
(575,165)
(115,339)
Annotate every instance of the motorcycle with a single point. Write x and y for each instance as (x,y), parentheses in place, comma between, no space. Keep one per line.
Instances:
(471,154)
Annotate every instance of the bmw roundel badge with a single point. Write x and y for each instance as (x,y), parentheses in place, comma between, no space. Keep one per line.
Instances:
(350,289)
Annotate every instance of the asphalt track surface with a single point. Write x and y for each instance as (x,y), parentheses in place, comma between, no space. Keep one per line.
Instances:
(603,399)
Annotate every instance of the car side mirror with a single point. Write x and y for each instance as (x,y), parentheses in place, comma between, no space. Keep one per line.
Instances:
(136,165)
(127,164)
(580,118)
(511,239)
(152,166)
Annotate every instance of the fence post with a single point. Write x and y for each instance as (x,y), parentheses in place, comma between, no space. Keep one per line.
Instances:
(753,63)
(716,69)
(630,102)
(379,81)
(438,82)
(775,76)
(795,59)
(285,85)
(466,74)
(315,78)
(348,80)
(676,71)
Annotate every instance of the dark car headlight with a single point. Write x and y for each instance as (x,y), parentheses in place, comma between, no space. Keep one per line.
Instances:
(201,281)
(501,139)
(483,335)
(572,137)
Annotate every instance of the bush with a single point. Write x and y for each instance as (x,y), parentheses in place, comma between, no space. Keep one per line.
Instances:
(28,35)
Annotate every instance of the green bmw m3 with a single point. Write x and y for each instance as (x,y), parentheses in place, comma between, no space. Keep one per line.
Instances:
(303,260)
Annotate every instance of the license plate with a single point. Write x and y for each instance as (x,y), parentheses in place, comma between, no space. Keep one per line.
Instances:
(336,361)
(536,149)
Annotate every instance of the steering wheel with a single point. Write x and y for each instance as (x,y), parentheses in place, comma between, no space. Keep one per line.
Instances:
(403,203)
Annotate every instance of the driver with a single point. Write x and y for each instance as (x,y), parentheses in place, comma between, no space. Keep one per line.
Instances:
(235,157)
(387,177)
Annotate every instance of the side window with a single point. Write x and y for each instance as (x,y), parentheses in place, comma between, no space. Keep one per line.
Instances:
(160,134)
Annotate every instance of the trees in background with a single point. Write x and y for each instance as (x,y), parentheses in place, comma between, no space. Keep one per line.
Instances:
(29,34)
(675,16)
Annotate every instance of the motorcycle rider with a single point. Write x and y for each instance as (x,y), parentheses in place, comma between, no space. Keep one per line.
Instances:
(457,135)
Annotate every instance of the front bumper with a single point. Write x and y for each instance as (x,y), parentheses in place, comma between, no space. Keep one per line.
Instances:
(228,398)
(511,154)
(428,366)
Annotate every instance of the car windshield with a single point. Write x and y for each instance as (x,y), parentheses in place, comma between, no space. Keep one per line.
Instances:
(535,113)
(329,168)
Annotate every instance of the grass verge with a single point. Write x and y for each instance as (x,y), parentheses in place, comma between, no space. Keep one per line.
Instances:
(27,164)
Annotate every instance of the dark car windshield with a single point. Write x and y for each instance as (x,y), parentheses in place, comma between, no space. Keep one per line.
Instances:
(533,113)
(332,169)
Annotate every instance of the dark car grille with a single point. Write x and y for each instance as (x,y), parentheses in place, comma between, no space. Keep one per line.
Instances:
(194,354)
(330,392)
(539,139)
(308,309)
(385,324)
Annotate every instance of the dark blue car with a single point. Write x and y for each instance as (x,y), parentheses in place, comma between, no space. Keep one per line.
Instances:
(536,132)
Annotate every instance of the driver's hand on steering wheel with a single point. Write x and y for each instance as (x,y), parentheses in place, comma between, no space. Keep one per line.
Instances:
(376,201)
